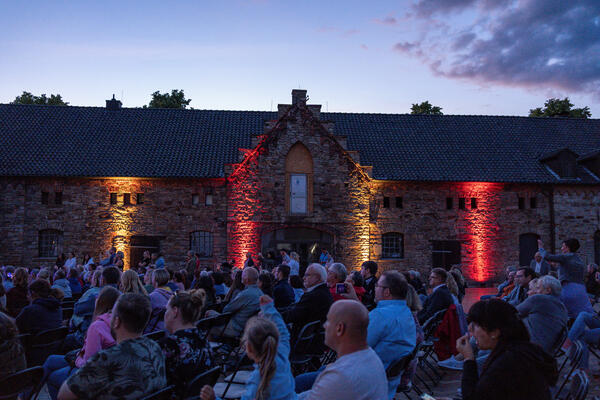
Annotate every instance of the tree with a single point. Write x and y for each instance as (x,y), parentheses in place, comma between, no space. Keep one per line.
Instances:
(426,108)
(28,98)
(175,99)
(560,108)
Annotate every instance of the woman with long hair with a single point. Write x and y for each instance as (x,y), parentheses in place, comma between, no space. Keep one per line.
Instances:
(16,297)
(236,287)
(516,368)
(131,283)
(186,350)
(267,342)
(57,368)
(571,273)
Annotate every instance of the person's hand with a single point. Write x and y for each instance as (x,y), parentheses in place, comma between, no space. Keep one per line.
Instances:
(264,300)
(540,244)
(207,393)
(350,292)
(464,347)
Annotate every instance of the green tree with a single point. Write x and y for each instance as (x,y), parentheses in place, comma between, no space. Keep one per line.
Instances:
(28,98)
(560,108)
(175,99)
(426,108)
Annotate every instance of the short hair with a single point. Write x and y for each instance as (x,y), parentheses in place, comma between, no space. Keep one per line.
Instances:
(572,244)
(396,283)
(251,274)
(339,270)
(371,266)
(111,275)
(284,269)
(494,314)
(320,270)
(511,268)
(133,310)
(528,272)
(161,276)
(550,282)
(357,279)
(218,278)
(60,274)
(441,273)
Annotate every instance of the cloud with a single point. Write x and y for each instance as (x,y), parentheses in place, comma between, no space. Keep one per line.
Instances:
(364,47)
(530,43)
(386,21)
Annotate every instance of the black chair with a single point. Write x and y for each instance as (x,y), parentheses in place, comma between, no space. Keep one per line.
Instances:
(397,369)
(306,347)
(67,313)
(45,343)
(209,378)
(13,385)
(67,304)
(206,324)
(155,318)
(162,394)
(575,358)
(156,335)
(579,386)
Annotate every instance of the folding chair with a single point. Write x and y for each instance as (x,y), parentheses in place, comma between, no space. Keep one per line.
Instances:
(575,362)
(156,335)
(162,394)
(209,378)
(43,344)
(579,386)
(398,368)
(13,385)
(304,349)
(67,313)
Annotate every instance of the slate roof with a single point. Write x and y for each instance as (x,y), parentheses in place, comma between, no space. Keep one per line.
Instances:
(96,142)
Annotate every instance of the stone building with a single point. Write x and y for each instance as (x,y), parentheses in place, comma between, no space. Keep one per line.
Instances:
(408,191)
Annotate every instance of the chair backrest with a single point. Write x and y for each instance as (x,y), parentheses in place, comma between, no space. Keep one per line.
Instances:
(67,303)
(162,394)
(560,339)
(397,367)
(432,323)
(579,386)
(577,353)
(12,385)
(67,313)
(156,335)
(157,316)
(43,344)
(209,378)
(206,324)
(305,344)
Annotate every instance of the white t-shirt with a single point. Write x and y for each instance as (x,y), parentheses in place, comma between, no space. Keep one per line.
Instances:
(357,376)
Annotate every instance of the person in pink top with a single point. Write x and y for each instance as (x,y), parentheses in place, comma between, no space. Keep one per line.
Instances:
(58,368)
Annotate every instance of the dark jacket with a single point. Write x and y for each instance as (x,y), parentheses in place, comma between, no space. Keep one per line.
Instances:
(16,300)
(313,306)
(283,294)
(544,268)
(515,371)
(439,300)
(369,296)
(42,314)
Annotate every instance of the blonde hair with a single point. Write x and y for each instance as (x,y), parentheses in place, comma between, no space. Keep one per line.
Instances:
(189,303)
(412,300)
(130,283)
(452,286)
(96,277)
(263,337)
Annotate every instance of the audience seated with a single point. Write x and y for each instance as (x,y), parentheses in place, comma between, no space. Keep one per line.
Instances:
(314,303)
(60,282)
(571,273)
(413,302)
(131,283)
(74,284)
(357,282)
(516,369)
(523,276)
(16,297)
(336,273)
(283,293)
(58,368)
(159,299)
(539,265)
(544,314)
(135,366)
(12,354)
(43,313)
(186,350)
(179,280)
(588,337)
(8,277)
(440,297)
(148,280)
(237,285)
(219,284)
(268,345)
(245,304)
(592,281)
(298,285)
(358,372)
(368,270)
(265,283)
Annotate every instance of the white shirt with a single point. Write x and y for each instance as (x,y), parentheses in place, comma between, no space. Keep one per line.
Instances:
(538,267)
(71,262)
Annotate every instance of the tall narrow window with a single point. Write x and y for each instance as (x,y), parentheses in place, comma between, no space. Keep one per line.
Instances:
(45,196)
(533,202)
(57,197)
(298,180)
(140,198)
(195,199)
(473,203)
(461,203)
(49,243)
(386,202)
(113,198)
(399,202)
(201,242)
(521,203)
(126,198)
(208,200)
(392,245)
(449,203)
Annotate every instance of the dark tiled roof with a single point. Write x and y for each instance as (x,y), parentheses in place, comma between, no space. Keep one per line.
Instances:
(93,141)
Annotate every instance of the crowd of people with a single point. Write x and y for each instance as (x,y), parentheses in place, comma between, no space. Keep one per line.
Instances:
(371,319)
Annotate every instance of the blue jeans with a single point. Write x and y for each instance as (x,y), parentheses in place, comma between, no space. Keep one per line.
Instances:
(305,381)
(56,371)
(590,336)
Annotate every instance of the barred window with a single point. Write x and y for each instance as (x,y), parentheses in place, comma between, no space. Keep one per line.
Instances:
(50,243)
(392,245)
(201,242)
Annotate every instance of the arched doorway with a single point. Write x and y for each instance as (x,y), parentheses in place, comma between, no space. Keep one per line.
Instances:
(307,242)
(527,248)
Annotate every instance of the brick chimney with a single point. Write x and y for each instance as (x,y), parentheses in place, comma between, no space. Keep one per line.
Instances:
(113,104)
(298,97)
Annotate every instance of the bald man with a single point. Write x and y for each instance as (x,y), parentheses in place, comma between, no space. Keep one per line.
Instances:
(358,372)
(245,304)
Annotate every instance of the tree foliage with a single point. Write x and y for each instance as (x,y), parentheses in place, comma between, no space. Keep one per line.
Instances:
(175,99)
(426,108)
(28,98)
(560,108)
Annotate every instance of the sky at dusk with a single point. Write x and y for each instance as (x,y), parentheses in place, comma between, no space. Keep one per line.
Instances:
(498,57)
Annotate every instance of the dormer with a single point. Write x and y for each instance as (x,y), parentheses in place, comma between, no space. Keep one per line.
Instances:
(563,163)
(591,161)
